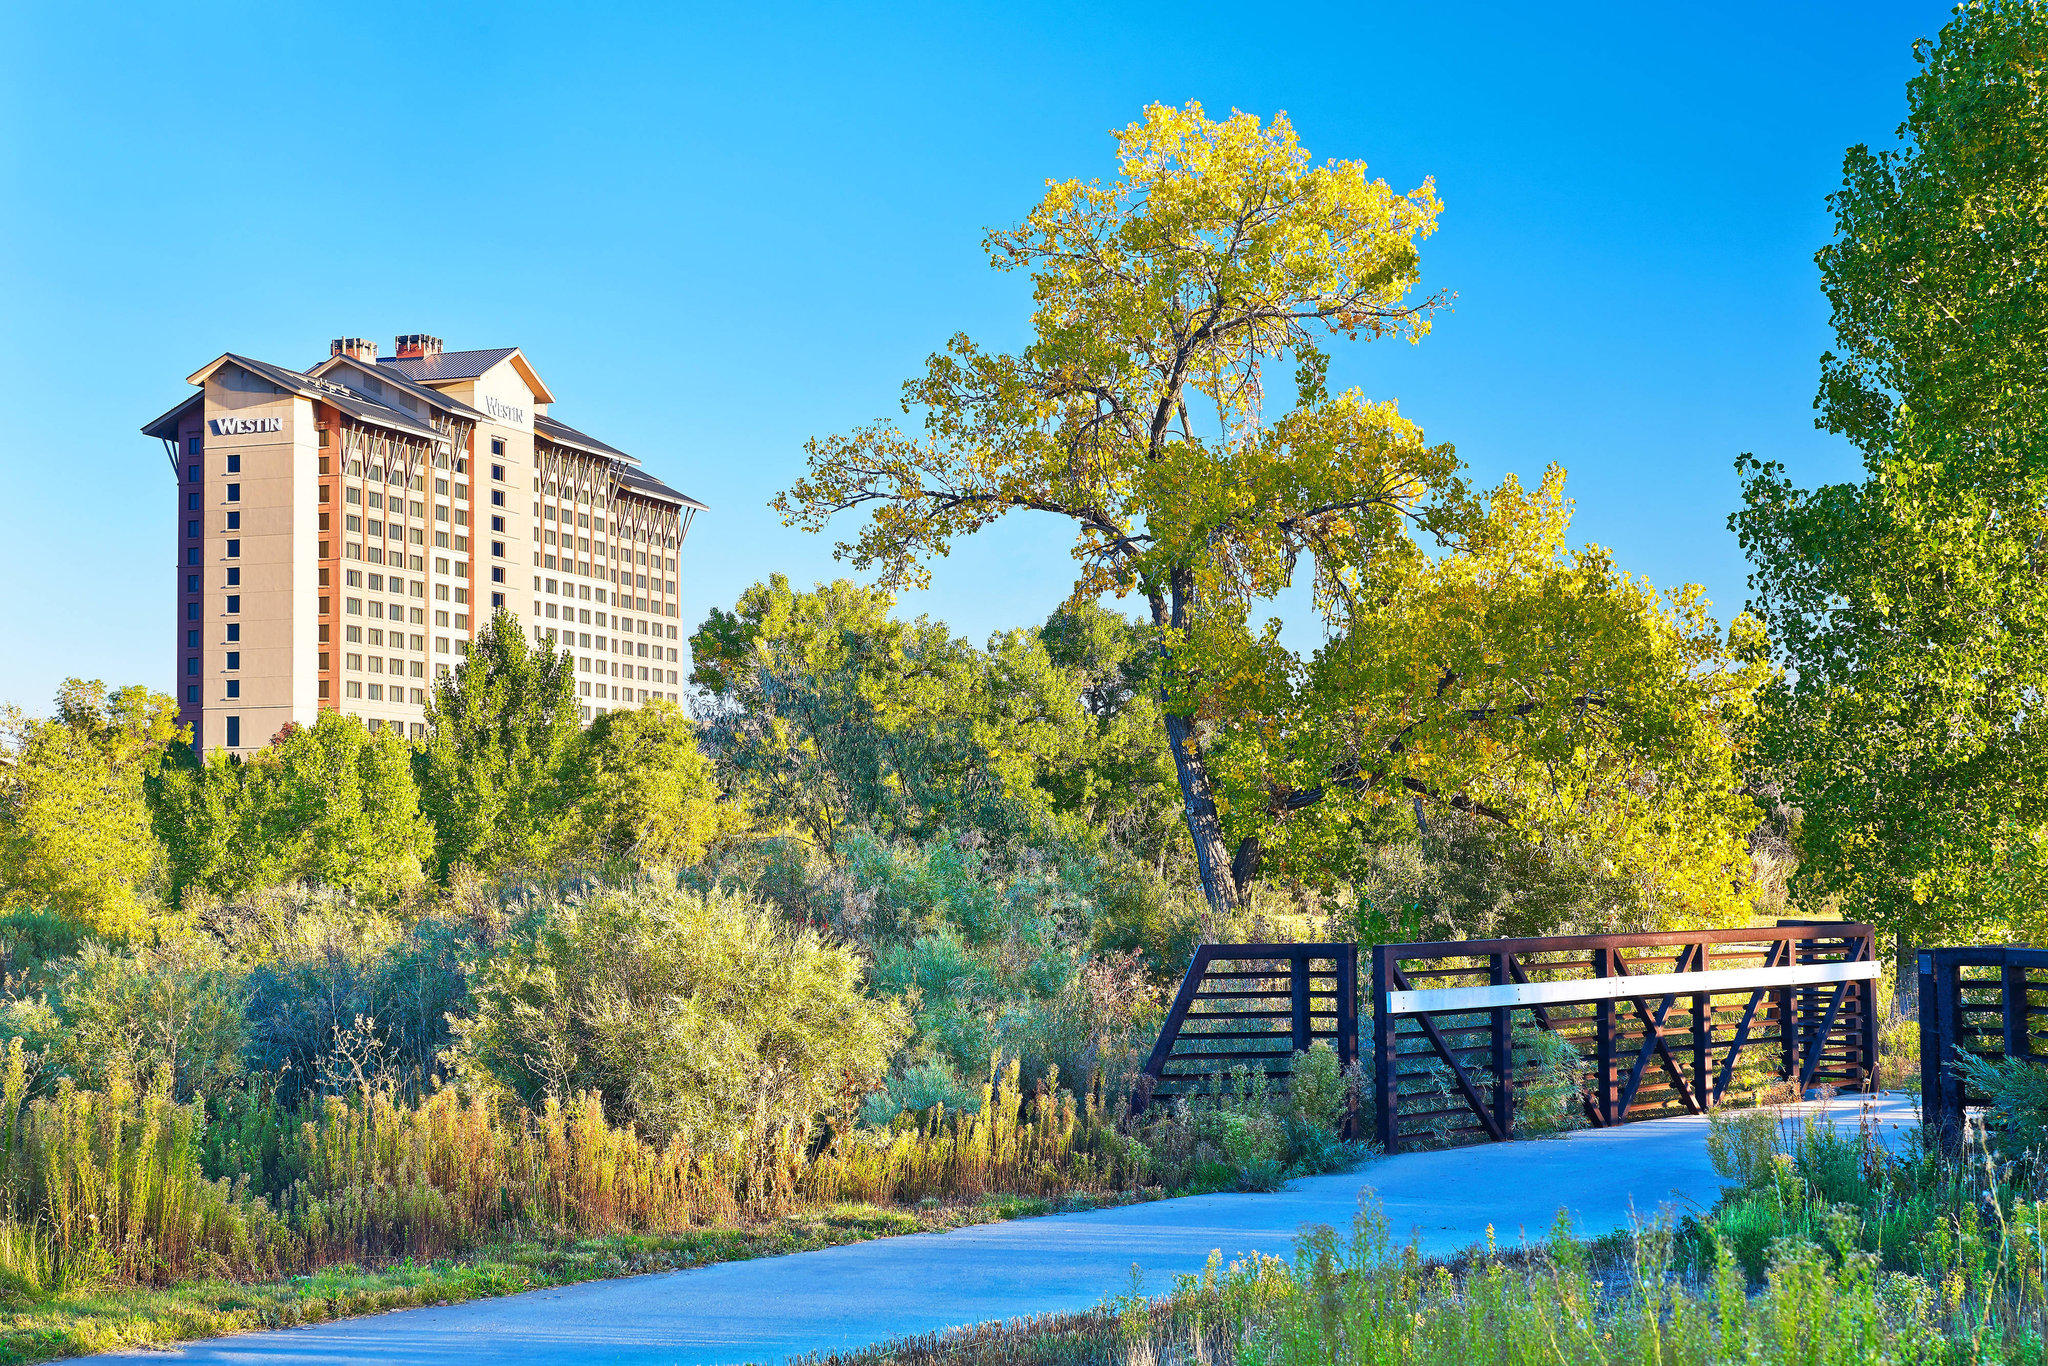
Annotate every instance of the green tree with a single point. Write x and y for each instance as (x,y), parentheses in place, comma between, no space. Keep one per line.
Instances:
(75,836)
(1475,662)
(1908,608)
(1118,779)
(638,784)
(332,803)
(500,726)
(831,714)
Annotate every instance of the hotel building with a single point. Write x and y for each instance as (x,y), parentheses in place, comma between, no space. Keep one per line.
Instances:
(346,530)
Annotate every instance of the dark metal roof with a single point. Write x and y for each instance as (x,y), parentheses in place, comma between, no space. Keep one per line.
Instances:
(345,399)
(399,379)
(562,434)
(446,365)
(647,486)
(166,427)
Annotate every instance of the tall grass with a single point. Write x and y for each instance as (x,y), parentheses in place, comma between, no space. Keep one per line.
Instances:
(127,1184)
(1362,1300)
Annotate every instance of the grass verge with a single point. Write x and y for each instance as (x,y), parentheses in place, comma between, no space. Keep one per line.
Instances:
(107,1317)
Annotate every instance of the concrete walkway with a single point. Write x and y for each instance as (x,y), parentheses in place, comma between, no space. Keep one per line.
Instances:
(770,1308)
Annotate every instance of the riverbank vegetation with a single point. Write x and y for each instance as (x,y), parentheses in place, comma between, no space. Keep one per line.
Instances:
(873,935)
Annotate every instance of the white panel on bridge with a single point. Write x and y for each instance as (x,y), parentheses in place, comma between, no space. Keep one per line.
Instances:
(1581,990)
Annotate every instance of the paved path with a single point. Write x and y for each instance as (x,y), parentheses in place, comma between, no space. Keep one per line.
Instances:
(772,1307)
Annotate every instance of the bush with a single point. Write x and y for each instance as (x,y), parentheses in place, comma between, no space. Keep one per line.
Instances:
(2018,1091)
(1246,1134)
(915,1091)
(172,1013)
(341,1000)
(699,1017)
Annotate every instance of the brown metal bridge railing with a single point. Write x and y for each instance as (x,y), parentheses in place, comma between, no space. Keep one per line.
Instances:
(1253,1006)
(1987,1001)
(1448,1066)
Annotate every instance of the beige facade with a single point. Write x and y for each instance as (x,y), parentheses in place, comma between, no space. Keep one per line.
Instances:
(346,530)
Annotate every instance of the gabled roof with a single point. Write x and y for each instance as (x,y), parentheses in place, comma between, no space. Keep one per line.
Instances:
(298,382)
(449,367)
(562,434)
(166,427)
(398,379)
(647,486)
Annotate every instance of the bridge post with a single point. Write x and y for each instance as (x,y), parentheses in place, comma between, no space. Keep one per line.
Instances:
(1384,1121)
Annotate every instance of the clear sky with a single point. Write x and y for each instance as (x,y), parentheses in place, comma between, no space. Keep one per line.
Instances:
(719,230)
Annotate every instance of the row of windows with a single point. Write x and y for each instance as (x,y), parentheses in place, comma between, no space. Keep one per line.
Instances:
(376,692)
(620,695)
(375,664)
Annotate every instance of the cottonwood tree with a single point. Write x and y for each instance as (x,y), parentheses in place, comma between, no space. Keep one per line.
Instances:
(500,728)
(331,803)
(1909,608)
(75,837)
(1473,660)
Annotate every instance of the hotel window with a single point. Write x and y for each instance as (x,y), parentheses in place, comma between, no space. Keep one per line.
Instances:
(191,583)
(234,493)
(498,471)
(234,659)
(498,524)
(191,528)
(191,692)
(497,497)
(234,464)
(234,521)
(497,448)
(234,578)
(376,692)
(234,550)
(234,731)
(192,640)
(192,665)
(192,473)
(192,448)
(497,576)
(234,630)
(234,687)
(192,502)
(191,611)
(355,689)
(497,599)
(498,549)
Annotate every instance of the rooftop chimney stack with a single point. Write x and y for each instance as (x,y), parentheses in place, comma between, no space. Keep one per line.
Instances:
(362,348)
(416,345)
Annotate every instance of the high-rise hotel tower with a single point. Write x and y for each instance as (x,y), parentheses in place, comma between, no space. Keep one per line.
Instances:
(346,530)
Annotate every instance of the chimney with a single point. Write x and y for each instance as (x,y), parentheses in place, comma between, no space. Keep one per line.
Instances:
(362,348)
(414,345)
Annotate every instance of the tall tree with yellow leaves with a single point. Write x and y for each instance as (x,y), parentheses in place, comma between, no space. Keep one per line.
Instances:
(1472,660)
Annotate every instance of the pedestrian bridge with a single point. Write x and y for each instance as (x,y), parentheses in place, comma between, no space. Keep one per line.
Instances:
(1452,1038)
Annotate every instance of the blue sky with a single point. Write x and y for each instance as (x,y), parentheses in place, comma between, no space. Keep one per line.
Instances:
(718,231)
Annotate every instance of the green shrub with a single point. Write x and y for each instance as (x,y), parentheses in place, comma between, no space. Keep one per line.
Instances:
(700,1017)
(173,1012)
(1548,1097)
(2018,1091)
(917,1090)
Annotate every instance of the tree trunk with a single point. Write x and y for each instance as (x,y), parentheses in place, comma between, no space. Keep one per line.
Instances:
(1198,802)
